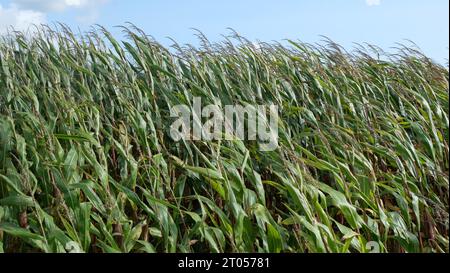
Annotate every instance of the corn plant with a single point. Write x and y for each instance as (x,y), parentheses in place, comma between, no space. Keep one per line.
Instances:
(87,163)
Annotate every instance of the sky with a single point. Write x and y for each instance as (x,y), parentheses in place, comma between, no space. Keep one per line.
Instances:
(379,22)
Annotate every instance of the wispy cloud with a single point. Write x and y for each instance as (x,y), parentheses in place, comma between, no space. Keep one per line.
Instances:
(373,2)
(21,14)
(56,5)
(12,17)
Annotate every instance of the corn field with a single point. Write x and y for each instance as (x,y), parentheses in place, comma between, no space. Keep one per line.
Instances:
(87,163)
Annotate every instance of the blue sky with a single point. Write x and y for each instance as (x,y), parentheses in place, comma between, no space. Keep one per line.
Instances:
(381,22)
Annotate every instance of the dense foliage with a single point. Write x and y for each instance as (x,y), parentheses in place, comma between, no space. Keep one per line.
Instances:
(86,160)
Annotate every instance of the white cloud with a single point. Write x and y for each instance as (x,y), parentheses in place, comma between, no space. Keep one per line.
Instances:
(19,19)
(21,14)
(54,5)
(373,2)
